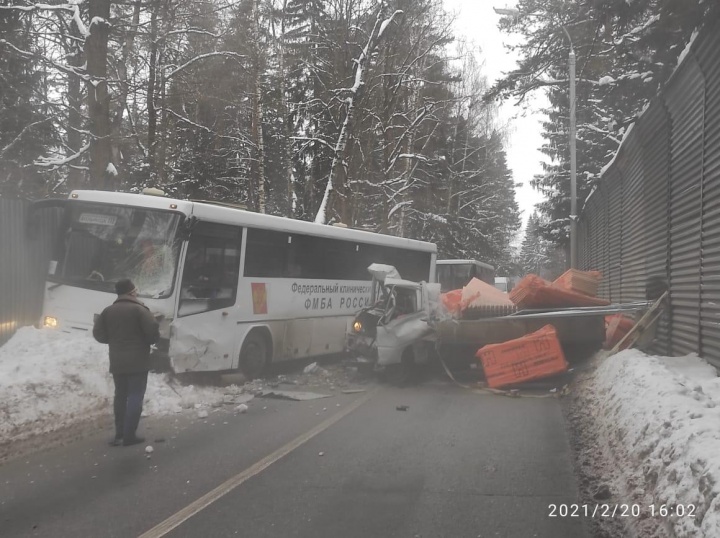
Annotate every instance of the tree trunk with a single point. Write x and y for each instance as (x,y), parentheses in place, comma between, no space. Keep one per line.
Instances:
(74,96)
(96,47)
(152,76)
(257,129)
(287,127)
(128,51)
(163,134)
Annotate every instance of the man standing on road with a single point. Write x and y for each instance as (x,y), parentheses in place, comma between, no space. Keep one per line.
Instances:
(130,329)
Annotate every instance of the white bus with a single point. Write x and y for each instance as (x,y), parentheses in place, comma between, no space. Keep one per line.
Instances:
(237,289)
(455,274)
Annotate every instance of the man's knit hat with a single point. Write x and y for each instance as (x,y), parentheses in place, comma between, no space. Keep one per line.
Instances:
(124,286)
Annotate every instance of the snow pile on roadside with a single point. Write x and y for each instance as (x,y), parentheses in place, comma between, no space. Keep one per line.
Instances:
(50,380)
(660,417)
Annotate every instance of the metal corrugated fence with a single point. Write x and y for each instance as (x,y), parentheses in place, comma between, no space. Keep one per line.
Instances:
(685,101)
(654,132)
(656,211)
(707,57)
(24,258)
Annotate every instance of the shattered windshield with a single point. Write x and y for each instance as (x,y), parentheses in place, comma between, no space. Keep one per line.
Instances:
(102,244)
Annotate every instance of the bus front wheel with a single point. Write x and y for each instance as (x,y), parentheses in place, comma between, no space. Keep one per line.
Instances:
(253,355)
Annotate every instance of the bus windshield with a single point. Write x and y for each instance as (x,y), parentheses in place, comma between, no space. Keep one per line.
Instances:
(103,243)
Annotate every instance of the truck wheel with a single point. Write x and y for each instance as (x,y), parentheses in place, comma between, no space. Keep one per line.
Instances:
(406,371)
(253,355)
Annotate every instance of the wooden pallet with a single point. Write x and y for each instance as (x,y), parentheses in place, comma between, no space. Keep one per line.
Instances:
(644,323)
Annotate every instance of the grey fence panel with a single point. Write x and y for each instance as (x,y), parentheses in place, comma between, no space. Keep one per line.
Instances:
(654,132)
(601,261)
(600,258)
(633,223)
(583,240)
(589,232)
(710,292)
(24,261)
(685,100)
(596,238)
(615,231)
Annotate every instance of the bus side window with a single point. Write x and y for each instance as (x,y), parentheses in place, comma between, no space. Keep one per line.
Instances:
(211,270)
(266,253)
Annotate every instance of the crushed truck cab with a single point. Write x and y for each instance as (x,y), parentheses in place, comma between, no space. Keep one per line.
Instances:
(394,329)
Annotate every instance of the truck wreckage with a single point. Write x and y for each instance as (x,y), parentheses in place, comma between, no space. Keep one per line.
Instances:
(407,324)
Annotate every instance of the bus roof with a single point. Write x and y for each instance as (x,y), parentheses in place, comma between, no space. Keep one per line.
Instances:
(465,262)
(241,217)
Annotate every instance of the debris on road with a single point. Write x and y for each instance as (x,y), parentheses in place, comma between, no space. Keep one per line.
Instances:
(402,407)
(202,414)
(293,395)
(321,453)
(242,408)
(353,391)
(149,449)
(311,368)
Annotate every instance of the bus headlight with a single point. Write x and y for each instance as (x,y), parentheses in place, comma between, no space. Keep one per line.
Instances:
(357,326)
(50,321)
(8,326)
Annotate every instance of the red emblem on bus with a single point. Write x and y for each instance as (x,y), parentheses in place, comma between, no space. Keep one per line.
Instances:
(259,298)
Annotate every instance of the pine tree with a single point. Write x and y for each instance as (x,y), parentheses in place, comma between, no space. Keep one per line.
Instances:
(24,131)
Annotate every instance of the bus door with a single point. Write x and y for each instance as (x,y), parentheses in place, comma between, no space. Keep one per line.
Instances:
(204,332)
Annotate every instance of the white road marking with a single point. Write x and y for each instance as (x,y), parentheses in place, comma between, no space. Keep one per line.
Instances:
(226,487)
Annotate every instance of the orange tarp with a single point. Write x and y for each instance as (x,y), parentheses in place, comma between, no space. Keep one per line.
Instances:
(478,294)
(616,327)
(534,356)
(451,301)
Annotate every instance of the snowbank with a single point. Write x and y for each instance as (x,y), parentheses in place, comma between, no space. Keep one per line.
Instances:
(50,380)
(660,417)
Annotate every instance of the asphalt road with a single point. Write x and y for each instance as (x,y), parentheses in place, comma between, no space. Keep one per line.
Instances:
(454,464)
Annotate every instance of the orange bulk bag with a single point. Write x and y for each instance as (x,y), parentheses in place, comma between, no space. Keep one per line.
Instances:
(533,356)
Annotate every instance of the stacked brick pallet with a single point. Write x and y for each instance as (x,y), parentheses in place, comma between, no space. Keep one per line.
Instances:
(572,289)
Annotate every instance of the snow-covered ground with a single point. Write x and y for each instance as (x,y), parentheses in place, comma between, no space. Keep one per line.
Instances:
(51,380)
(657,421)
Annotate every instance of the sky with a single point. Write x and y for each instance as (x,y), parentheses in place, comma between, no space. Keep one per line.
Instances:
(477,21)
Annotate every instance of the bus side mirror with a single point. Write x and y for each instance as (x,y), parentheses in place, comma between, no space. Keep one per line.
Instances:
(187,227)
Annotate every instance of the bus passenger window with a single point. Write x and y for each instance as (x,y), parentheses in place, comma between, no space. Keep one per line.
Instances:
(211,270)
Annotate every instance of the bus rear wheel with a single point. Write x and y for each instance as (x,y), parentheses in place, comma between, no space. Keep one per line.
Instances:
(253,355)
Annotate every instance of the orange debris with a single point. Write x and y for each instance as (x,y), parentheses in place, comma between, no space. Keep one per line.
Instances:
(533,356)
